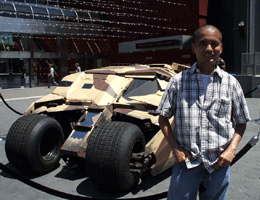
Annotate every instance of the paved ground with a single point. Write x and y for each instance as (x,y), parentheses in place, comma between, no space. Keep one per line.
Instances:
(245,183)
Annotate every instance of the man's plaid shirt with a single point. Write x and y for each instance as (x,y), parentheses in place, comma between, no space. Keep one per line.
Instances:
(204,123)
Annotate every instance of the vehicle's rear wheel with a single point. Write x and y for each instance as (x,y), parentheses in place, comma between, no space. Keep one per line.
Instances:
(33,143)
(109,152)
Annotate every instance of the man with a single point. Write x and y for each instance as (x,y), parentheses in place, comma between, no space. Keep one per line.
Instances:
(210,115)
(78,69)
(51,76)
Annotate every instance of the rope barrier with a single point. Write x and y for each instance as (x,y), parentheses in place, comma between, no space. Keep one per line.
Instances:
(252,90)
(9,106)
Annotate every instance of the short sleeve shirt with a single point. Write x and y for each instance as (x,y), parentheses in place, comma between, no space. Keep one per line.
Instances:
(204,120)
(52,72)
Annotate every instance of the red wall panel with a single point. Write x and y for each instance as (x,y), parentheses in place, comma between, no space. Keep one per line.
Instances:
(203,7)
(183,17)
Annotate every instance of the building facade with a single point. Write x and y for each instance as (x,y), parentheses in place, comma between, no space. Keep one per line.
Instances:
(36,33)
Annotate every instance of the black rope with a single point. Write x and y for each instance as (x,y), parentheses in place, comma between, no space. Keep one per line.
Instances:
(252,91)
(1,96)
(67,195)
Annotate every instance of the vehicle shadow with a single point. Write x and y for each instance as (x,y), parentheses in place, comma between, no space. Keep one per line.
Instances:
(72,170)
(26,174)
(90,189)
(75,171)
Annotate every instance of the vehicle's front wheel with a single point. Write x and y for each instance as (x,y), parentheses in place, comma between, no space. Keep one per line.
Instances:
(33,143)
(109,151)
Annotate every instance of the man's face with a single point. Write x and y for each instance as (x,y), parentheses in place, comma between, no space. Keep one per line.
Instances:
(208,47)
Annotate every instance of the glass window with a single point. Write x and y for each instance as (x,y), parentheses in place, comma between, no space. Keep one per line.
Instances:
(23,8)
(140,87)
(104,19)
(84,17)
(87,86)
(6,6)
(39,10)
(65,83)
(70,16)
(40,13)
(95,17)
(55,14)
(24,11)
(7,10)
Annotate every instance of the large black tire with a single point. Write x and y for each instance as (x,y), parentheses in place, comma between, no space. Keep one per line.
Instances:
(108,154)
(33,143)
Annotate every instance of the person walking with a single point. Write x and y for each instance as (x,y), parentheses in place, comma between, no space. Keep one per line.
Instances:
(210,116)
(51,76)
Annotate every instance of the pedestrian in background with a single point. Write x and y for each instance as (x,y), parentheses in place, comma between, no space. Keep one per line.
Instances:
(210,116)
(78,69)
(51,76)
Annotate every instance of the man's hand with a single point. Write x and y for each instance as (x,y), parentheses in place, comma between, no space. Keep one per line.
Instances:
(180,155)
(225,158)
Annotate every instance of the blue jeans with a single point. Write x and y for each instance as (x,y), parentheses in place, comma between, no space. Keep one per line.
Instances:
(186,183)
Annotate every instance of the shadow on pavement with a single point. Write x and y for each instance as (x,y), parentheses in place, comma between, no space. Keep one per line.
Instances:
(88,188)
(24,173)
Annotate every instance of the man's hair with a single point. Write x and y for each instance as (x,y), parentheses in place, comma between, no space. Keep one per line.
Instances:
(197,34)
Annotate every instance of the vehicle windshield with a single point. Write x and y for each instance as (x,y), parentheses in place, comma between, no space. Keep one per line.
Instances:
(141,87)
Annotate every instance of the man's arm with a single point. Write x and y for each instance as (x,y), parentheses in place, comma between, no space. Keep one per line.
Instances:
(179,153)
(227,156)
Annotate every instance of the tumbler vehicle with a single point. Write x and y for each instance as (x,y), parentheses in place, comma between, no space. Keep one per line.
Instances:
(105,116)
